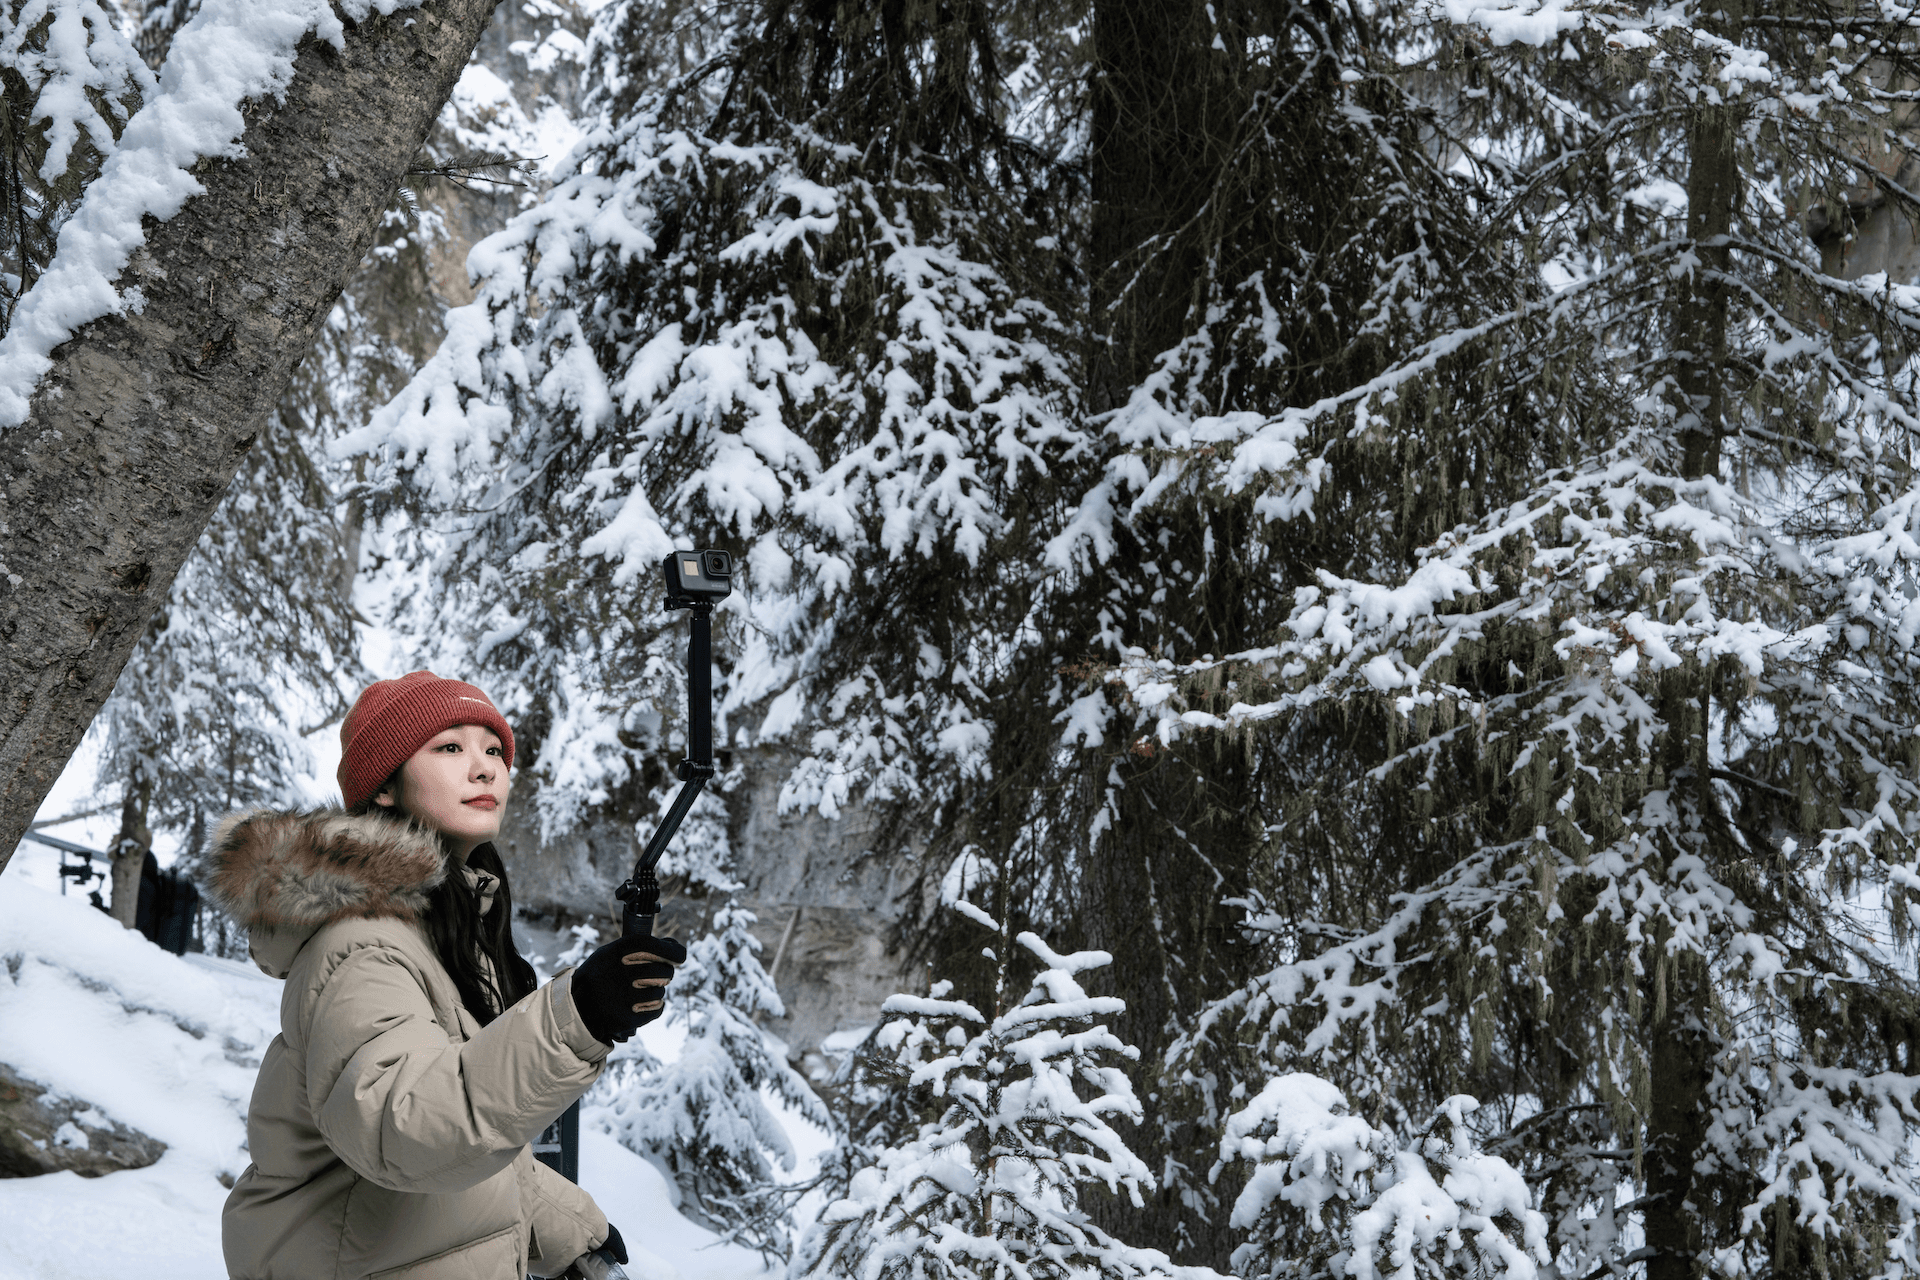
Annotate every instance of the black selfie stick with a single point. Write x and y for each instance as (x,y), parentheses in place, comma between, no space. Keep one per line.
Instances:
(696,581)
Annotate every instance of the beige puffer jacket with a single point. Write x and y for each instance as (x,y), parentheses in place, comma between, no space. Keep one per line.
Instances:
(388,1129)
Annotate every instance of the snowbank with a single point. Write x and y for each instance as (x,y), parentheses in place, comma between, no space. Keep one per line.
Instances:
(169,1045)
(162,1044)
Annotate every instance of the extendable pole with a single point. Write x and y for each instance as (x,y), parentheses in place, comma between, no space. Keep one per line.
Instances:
(640,894)
(700,695)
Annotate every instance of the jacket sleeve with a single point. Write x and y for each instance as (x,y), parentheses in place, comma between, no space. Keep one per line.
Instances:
(566,1222)
(408,1107)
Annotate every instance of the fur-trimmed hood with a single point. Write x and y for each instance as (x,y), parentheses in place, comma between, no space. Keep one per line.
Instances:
(284,874)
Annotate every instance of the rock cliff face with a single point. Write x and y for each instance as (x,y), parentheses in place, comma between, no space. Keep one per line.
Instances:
(827,902)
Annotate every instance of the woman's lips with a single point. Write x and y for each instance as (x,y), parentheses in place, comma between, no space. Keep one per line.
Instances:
(482,802)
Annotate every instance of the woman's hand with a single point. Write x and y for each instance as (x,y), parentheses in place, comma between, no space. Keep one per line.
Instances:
(602,1262)
(622,986)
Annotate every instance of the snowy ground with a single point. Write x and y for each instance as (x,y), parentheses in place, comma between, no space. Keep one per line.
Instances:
(169,1045)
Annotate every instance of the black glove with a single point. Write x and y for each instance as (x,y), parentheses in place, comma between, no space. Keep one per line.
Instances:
(613,1246)
(622,986)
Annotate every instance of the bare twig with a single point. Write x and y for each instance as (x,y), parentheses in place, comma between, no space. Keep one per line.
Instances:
(469,167)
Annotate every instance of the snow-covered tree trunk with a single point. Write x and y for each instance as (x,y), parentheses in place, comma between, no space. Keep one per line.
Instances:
(134,433)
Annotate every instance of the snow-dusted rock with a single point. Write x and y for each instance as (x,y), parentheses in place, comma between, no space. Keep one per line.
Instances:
(44,1132)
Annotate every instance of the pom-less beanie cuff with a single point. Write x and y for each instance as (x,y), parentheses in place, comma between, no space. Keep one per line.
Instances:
(392,719)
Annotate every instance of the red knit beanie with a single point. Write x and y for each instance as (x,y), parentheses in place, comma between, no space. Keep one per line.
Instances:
(393,719)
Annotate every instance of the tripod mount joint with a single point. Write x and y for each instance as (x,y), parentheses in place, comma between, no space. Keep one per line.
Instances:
(640,891)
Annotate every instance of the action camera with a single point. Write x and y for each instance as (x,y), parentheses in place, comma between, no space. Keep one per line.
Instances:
(697,577)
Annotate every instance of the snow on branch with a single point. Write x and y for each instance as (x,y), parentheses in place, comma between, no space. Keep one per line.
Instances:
(1614,521)
(1371,1207)
(635,372)
(67,52)
(231,52)
(1676,31)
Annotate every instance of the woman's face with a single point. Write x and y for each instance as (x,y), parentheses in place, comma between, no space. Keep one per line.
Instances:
(456,784)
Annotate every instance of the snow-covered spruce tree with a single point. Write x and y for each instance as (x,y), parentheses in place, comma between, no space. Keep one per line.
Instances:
(770,304)
(868,1094)
(1595,798)
(701,1117)
(1333,1195)
(993,1188)
(1269,226)
(1359,354)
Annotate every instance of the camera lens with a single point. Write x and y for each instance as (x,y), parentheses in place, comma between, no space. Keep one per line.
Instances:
(719,564)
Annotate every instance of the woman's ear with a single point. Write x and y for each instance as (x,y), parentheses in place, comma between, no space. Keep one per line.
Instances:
(388,796)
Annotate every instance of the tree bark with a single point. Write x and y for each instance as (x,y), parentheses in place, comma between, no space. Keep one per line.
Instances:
(1681,1052)
(136,432)
(1165,102)
(129,856)
(1682,1070)
(1149,161)
(1700,333)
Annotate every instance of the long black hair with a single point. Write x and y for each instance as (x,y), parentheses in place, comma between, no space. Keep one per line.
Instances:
(461,937)
(476,951)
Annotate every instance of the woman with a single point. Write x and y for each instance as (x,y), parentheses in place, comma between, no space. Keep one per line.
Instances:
(416,1060)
